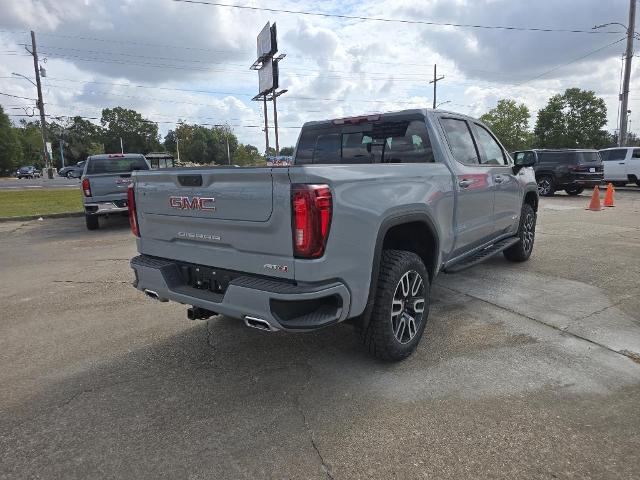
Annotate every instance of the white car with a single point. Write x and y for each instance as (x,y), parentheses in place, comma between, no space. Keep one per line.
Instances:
(621,165)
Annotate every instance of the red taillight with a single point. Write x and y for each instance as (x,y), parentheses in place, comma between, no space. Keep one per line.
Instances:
(86,187)
(133,215)
(312,207)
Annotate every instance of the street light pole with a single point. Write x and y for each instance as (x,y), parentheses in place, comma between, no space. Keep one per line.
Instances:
(622,140)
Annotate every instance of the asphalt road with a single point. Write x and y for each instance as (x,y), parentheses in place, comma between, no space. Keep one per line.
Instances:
(525,371)
(38,183)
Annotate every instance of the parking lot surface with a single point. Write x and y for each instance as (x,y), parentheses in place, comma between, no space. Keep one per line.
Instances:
(525,371)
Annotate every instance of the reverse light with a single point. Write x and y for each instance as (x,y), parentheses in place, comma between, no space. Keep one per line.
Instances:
(311,207)
(86,187)
(133,214)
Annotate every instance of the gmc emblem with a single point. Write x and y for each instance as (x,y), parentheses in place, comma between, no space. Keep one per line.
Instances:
(193,203)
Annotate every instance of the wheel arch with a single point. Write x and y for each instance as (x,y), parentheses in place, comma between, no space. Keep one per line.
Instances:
(392,234)
(531,197)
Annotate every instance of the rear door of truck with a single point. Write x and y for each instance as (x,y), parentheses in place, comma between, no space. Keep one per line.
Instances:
(223,217)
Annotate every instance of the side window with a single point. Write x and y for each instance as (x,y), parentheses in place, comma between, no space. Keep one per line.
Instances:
(493,154)
(636,153)
(518,156)
(460,140)
(530,156)
(617,154)
(604,155)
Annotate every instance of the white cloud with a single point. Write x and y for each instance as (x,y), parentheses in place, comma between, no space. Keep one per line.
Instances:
(373,66)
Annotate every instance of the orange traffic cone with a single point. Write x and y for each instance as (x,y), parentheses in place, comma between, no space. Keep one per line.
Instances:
(594,205)
(608,198)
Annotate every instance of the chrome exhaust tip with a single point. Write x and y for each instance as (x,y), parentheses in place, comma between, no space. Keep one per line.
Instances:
(154,295)
(259,323)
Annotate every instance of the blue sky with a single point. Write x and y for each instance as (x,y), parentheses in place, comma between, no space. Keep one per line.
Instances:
(152,55)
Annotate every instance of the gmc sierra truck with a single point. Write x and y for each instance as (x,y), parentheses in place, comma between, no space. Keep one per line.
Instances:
(105,179)
(372,209)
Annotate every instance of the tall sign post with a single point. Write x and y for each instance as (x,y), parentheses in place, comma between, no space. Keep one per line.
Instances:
(268,78)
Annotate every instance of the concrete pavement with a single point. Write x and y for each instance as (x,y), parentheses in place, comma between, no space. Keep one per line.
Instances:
(525,370)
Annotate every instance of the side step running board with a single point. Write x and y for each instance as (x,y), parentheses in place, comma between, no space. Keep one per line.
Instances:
(481,255)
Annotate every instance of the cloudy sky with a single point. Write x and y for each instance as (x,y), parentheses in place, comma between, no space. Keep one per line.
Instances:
(178,61)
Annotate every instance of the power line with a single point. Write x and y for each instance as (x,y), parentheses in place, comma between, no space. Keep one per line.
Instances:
(16,96)
(155,121)
(396,20)
(557,67)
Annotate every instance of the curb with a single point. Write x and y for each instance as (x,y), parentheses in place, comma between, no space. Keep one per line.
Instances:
(36,217)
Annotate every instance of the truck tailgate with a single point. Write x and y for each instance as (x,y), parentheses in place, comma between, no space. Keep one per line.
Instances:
(230,218)
(109,186)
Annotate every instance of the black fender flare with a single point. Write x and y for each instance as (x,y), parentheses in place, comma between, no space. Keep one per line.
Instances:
(387,224)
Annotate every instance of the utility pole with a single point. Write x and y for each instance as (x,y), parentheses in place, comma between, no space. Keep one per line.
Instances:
(275,122)
(435,82)
(43,125)
(266,128)
(622,138)
(178,145)
(121,146)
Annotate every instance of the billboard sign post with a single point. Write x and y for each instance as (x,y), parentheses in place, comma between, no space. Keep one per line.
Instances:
(268,76)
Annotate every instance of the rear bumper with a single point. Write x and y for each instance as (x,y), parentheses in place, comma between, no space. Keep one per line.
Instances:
(284,305)
(103,208)
(584,182)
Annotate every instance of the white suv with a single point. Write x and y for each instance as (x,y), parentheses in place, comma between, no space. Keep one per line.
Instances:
(621,165)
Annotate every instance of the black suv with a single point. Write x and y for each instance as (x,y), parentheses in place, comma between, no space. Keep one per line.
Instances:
(568,170)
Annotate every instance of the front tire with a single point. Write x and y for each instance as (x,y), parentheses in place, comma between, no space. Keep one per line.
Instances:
(401,306)
(92,222)
(546,187)
(521,251)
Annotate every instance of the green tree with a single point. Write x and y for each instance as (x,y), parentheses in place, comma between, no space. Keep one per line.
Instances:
(287,151)
(510,123)
(574,119)
(202,145)
(78,136)
(10,148)
(30,138)
(138,134)
(248,155)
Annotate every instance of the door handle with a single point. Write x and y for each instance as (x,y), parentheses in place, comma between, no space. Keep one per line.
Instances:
(498,179)
(620,163)
(465,183)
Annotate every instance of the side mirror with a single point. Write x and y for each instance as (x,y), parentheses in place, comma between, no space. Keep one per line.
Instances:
(523,162)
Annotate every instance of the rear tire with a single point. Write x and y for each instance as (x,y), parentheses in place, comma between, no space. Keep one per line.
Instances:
(401,306)
(521,251)
(574,191)
(546,187)
(92,222)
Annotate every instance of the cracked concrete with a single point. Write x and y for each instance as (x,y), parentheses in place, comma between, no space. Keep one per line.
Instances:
(97,381)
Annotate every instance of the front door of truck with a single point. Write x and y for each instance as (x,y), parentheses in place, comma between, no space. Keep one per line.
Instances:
(508,191)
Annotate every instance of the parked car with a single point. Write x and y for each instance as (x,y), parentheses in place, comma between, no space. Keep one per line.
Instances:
(72,171)
(372,209)
(28,172)
(621,165)
(105,182)
(568,170)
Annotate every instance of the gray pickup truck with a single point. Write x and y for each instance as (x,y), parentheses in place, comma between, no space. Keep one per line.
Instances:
(105,179)
(357,229)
